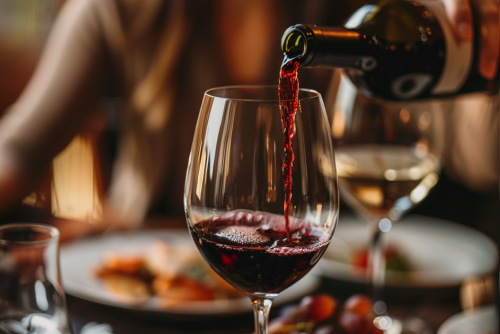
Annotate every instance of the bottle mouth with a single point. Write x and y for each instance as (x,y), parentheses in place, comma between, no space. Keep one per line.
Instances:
(294,44)
(298,43)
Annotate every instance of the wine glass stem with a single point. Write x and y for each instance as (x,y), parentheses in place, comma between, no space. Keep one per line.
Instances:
(377,264)
(261,313)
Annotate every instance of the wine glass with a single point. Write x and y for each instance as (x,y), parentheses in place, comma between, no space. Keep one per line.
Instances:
(234,193)
(388,159)
(31,295)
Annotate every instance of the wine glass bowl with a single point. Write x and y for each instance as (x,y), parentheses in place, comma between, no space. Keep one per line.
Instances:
(387,155)
(234,194)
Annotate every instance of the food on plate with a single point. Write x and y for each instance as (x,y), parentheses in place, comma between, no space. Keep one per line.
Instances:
(397,263)
(127,286)
(171,273)
(116,264)
(323,314)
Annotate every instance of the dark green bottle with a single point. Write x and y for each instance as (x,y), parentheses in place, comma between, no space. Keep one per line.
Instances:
(394,50)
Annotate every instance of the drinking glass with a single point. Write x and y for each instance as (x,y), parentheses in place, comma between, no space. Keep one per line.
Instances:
(31,296)
(234,194)
(388,159)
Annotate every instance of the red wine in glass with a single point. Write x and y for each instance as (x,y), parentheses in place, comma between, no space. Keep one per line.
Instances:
(252,251)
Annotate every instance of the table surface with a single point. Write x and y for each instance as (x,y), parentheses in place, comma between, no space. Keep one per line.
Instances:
(432,305)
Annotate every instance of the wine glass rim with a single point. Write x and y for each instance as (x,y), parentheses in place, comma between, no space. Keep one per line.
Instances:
(34,227)
(210,92)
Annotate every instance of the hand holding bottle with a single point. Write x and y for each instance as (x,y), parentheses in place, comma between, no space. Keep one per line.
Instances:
(460,15)
(407,50)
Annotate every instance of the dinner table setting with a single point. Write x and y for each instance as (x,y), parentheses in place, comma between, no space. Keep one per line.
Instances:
(96,312)
(458,299)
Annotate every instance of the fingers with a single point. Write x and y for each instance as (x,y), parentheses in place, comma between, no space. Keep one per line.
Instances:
(487,14)
(460,15)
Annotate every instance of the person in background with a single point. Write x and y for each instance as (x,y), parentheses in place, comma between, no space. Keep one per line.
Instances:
(159,57)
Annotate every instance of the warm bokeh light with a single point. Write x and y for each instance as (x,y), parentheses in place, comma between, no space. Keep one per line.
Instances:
(76,192)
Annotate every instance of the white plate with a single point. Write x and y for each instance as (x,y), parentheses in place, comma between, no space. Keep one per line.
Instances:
(80,258)
(443,253)
(481,321)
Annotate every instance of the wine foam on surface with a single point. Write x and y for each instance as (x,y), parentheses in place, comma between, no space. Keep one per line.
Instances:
(241,235)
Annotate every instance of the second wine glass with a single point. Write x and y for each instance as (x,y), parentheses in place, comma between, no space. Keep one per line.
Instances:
(234,194)
(388,160)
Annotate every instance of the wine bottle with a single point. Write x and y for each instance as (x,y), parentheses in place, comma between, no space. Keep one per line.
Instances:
(394,50)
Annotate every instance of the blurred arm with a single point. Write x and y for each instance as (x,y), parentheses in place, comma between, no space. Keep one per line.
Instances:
(62,93)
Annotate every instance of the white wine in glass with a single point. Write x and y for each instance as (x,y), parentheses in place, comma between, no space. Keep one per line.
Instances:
(382,181)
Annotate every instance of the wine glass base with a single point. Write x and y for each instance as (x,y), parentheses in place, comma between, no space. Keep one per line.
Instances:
(31,323)
(407,325)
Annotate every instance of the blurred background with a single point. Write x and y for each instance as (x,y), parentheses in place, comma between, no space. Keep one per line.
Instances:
(79,178)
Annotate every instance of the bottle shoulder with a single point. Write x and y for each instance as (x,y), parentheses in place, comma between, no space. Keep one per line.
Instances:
(396,22)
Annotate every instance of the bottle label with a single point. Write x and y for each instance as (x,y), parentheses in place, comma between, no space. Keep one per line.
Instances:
(458,58)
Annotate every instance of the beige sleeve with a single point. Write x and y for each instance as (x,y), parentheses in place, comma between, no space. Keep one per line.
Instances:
(63,91)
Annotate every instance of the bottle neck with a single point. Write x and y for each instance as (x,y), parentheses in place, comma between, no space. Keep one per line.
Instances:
(327,46)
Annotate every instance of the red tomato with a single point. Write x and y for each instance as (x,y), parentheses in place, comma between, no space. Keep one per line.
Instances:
(318,307)
(359,304)
(353,323)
